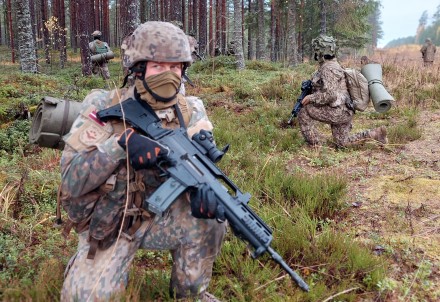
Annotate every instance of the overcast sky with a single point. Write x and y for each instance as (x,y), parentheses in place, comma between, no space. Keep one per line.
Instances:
(400,18)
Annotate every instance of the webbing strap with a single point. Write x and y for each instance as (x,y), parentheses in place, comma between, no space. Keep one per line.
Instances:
(64,122)
(93,248)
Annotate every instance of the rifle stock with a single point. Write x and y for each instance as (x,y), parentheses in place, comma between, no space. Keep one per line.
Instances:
(192,168)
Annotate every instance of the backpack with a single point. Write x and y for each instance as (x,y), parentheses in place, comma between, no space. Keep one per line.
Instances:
(357,86)
(100,47)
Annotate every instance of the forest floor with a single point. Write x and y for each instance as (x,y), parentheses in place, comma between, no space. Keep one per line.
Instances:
(394,198)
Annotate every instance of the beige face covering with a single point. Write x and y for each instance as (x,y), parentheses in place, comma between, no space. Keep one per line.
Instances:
(164,84)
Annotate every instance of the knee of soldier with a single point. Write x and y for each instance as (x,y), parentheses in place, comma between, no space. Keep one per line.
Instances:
(211,235)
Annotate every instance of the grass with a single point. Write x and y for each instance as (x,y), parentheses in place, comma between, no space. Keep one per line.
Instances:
(249,110)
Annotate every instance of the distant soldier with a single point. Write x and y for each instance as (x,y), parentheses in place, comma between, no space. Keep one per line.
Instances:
(99,47)
(330,101)
(365,60)
(194,46)
(231,48)
(428,52)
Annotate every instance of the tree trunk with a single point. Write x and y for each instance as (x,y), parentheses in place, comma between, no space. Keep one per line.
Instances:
(11,33)
(46,40)
(273,21)
(203,39)
(251,24)
(73,25)
(218,27)
(1,37)
(62,33)
(238,35)
(143,11)
(85,22)
(106,21)
(195,17)
(224,20)
(323,17)
(97,15)
(211,30)
(261,43)
(292,46)
(300,32)
(26,46)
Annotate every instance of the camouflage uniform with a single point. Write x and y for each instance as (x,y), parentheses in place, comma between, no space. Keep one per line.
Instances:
(428,52)
(94,194)
(99,68)
(328,101)
(192,44)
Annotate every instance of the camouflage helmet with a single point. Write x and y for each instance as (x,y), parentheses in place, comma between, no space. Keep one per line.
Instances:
(324,45)
(96,33)
(156,41)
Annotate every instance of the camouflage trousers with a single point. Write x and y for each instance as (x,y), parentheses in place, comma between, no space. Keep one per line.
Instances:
(339,118)
(194,245)
(101,69)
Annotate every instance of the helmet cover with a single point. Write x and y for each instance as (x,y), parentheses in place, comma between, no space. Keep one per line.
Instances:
(156,41)
(324,45)
(96,33)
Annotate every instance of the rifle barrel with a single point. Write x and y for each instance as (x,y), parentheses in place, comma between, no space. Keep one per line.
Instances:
(278,259)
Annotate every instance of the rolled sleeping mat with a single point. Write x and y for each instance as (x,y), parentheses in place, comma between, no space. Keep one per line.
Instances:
(102,57)
(53,119)
(382,100)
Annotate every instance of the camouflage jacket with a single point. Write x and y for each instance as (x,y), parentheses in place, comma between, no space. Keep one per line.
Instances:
(94,168)
(428,52)
(329,86)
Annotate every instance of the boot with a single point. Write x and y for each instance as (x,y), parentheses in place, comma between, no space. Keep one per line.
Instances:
(207,297)
(379,134)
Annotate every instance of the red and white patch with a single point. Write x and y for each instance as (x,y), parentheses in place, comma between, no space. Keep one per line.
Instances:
(92,115)
(92,134)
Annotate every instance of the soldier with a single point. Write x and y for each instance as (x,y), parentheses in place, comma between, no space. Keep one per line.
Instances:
(194,45)
(103,195)
(330,101)
(428,52)
(231,48)
(99,47)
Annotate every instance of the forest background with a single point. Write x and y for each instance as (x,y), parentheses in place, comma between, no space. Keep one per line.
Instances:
(359,224)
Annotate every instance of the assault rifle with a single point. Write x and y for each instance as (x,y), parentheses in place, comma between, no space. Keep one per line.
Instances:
(193,166)
(187,79)
(306,89)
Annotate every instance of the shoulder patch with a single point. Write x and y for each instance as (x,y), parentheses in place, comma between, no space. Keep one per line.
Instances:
(90,131)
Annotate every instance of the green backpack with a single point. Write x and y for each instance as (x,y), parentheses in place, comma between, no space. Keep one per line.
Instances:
(100,47)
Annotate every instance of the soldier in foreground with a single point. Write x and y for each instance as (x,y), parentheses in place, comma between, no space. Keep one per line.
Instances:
(108,169)
(99,47)
(428,52)
(330,101)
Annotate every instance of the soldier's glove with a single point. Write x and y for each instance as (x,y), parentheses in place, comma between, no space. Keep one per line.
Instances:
(204,204)
(143,152)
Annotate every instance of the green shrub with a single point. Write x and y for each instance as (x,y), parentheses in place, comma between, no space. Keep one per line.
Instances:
(405,131)
(15,138)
